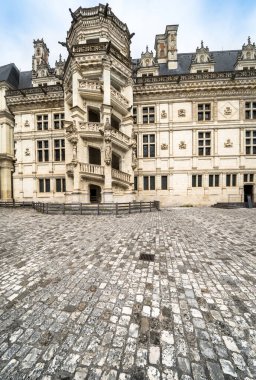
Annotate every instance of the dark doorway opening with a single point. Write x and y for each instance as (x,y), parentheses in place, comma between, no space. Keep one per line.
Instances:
(248,192)
(94,156)
(95,194)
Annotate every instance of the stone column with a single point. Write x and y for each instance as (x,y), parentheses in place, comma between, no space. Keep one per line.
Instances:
(6,182)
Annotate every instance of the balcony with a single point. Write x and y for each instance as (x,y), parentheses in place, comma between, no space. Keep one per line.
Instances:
(94,130)
(118,101)
(96,172)
(91,89)
(91,171)
(121,178)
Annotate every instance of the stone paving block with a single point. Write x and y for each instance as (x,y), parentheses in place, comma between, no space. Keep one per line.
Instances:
(77,302)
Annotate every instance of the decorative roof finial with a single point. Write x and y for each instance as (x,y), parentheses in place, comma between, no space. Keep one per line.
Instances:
(249,40)
(202,44)
(147,49)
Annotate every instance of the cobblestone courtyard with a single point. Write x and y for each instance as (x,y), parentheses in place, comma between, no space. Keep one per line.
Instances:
(76,301)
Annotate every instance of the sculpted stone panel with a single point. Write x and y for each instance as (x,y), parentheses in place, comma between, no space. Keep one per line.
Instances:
(228,110)
(182,112)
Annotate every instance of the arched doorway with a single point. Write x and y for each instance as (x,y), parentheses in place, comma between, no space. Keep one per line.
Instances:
(95,194)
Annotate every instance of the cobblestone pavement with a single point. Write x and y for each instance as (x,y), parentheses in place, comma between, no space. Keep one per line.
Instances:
(76,301)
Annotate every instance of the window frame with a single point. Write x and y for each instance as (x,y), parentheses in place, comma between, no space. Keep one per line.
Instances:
(203,138)
(44,185)
(43,151)
(197,180)
(60,150)
(164,185)
(62,182)
(148,145)
(201,113)
(214,180)
(58,121)
(148,114)
(231,180)
(149,183)
(250,110)
(43,124)
(250,142)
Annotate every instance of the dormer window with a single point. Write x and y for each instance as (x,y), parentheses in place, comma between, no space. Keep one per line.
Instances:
(202,61)
(247,57)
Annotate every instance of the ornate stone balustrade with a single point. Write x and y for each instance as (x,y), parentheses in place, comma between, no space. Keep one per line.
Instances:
(90,85)
(117,174)
(92,169)
(119,97)
(120,136)
(90,126)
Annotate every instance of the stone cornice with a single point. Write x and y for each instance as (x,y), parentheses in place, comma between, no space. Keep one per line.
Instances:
(52,95)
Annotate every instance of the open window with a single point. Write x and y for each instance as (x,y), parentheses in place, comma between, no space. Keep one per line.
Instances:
(93,115)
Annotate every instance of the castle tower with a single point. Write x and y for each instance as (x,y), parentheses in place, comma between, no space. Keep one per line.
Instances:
(98,105)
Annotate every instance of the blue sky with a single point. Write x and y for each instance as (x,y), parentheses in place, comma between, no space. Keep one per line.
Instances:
(222,24)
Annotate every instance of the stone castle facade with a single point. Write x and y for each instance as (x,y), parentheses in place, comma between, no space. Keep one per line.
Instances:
(103,127)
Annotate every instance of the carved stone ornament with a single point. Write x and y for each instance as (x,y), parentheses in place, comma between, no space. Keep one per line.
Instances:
(71,129)
(134,158)
(182,145)
(108,154)
(227,111)
(228,144)
(26,124)
(163,114)
(182,112)
(164,146)
(27,152)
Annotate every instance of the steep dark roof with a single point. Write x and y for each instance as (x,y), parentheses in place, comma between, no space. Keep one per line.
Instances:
(25,79)
(18,79)
(10,74)
(224,61)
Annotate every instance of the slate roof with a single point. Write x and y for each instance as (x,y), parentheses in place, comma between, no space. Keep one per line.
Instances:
(10,74)
(25,79)
(224,61)
(18,79)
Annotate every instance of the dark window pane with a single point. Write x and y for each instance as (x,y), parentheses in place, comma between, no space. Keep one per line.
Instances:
(200,116)
(208,135)
(39,144)
(41,185)
(247,114)
(199,181)
(193,180)
(152,183)
(145,119)
(201,151)
(200,107)
(46,144)
(152,150)
(63,154)
(217,177)
(58,185)
(207,106)
(207,151)
(200,135)
(135,183)
(228,180)
(40,156)
(152,138)
(64,184)
(210,180)
(46,155)
(234,180)
(248,150)
(145,150)
(47,185)
(251,177)
(57,155)
(207,115)
(245,177)
(164,182)
(145,179)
